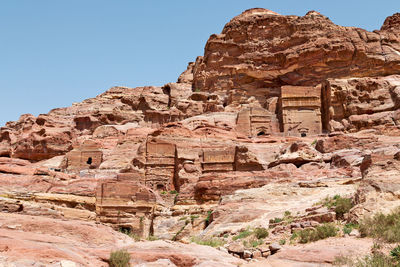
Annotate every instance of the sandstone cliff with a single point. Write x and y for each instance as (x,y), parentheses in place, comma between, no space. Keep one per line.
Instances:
(281,113)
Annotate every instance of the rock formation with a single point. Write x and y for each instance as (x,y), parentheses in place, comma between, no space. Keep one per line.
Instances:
(280,113)
(259,50)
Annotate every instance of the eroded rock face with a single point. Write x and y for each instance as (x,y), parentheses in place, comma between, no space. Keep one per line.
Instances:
(359,103)
(260,49)
(280,113)
(380,188)
(320,253)
(29,240)
(391,23)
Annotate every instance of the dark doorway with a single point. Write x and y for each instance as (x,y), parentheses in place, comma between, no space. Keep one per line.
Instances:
(303,134)
(89,161)
(160,187)
(261,133)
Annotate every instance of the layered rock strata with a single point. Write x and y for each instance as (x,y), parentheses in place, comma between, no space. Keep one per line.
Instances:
(280,113)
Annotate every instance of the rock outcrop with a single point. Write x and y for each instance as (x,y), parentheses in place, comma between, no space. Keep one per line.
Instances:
(281,114)
(260,49)
(360,103)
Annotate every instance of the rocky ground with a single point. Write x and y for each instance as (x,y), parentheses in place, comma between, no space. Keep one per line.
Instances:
(287,125)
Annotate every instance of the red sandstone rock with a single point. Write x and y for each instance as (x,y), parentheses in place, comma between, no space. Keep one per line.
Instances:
(28,239)
(290,49)
(240,139)
(380,186)
(298,154)
(316,254)
(360,102)
(338,142)
(391,23)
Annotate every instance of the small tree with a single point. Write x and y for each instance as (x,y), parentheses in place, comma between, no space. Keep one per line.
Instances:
(343,206)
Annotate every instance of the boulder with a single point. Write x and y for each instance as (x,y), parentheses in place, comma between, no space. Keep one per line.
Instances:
(274,247)
(236,248)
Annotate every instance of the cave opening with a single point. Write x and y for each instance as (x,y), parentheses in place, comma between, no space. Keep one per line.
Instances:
(125,230)
(160,187)
(20,208)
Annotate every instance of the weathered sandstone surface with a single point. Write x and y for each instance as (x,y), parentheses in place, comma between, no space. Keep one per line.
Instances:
(280,113)
(260,49)
(33,240)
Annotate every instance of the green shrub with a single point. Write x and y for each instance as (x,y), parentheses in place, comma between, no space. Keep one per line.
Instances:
(342,206)
(395,253)
(376,260)
(276,220)
(384,227)
(373,260)
(176,198)
(208,219)
(261,232)
(314,142)
(349,227)
(282,242)
(343,261)
(305,235)
(329,202)
(256,243)
(287,218)
(212,242)
(347,230)
(242,234)
(320,232)
(152,238)
(175,237)
(173,192)
(119,258)
(294,235)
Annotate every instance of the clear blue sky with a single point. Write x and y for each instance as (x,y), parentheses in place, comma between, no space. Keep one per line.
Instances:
(55,52)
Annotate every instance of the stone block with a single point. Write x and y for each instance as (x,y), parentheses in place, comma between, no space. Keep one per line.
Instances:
(160,149)
(225,155)
(210,167)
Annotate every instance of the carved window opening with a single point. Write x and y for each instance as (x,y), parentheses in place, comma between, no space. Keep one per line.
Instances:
(89,161)
(303,134)
(261,133)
